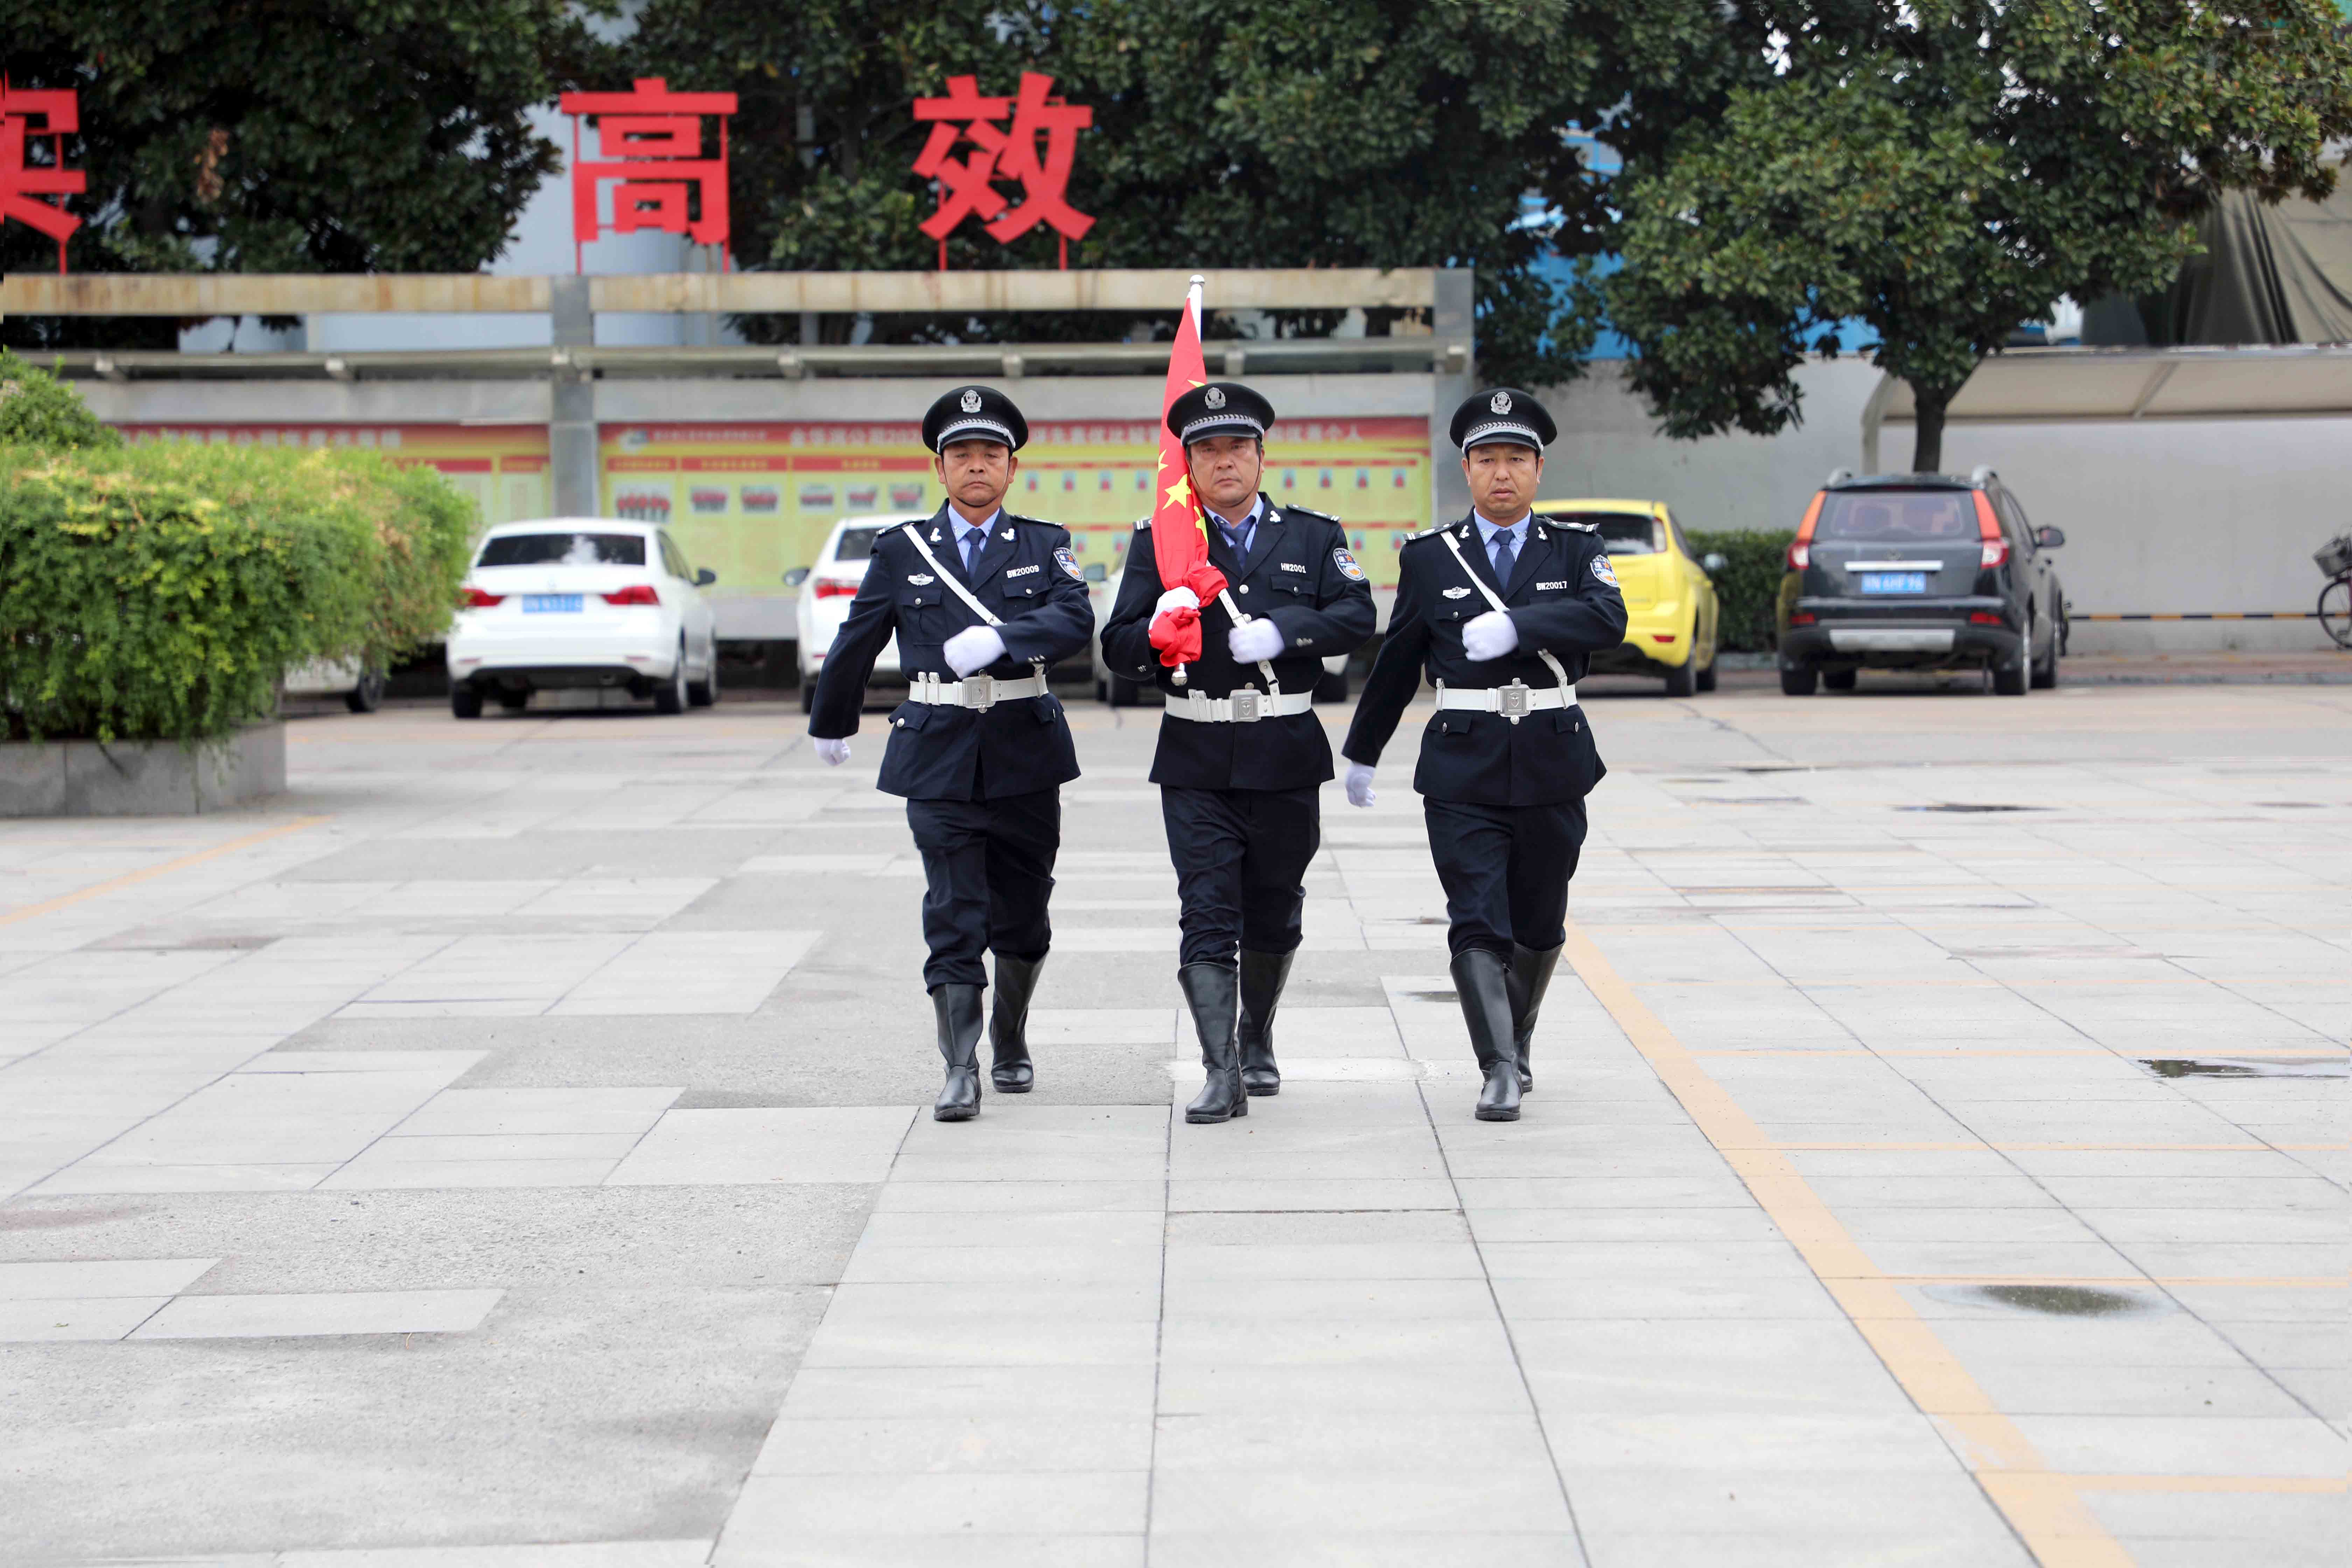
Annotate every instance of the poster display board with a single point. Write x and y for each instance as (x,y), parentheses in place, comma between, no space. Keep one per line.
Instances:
(501,467)
(751,502)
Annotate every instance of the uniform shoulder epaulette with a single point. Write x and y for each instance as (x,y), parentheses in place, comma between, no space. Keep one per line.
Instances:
(1143,524)
(1580,527)
(1035,521)
(1428,533)
(1289,510)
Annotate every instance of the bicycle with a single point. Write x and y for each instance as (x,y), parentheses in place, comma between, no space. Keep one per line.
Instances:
(2335,559)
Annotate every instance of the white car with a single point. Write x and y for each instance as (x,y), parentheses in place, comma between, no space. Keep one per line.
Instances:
(583,601)
(361,688)
(827,588)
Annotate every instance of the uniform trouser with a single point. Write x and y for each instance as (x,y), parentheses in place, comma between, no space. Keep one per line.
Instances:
(1240,860)
(987,870)
(1506,870)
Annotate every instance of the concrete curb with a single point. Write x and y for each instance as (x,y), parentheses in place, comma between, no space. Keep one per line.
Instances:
(142,778)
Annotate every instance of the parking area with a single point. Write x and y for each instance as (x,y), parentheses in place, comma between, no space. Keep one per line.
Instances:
(511,1138)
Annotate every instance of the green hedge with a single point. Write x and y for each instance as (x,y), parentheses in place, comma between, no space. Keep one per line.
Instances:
(1748,585)
(162,592)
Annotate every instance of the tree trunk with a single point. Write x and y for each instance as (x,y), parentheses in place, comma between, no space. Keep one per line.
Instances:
(1927,445)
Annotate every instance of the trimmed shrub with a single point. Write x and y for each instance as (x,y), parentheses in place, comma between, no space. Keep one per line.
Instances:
(162,592)
(1748,585)
(37,409)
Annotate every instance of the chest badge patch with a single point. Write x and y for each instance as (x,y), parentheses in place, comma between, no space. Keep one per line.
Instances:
(1294,566)
(1347,565)
(921,578)
(1069,563)
(1023,570)
(1603,570)
(1457,593)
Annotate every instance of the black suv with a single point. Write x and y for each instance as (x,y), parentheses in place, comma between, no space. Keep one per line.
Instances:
(1920,572)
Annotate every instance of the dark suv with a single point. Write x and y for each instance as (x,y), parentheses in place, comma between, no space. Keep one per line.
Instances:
(1920,572)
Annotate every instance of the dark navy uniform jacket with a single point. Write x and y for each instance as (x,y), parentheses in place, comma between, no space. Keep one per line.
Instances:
(1563,598)
(1301,577)
(1031,582)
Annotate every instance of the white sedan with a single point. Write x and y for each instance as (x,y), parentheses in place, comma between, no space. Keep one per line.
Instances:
(827,588)
(583,601)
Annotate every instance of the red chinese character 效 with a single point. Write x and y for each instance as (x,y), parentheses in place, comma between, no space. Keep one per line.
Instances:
(22,183)
(650,142)
(965,184)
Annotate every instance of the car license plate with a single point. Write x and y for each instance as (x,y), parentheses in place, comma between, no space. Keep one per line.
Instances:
(550,604)
(1895,582)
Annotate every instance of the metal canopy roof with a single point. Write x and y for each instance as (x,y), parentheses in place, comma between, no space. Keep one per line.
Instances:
(2039,385)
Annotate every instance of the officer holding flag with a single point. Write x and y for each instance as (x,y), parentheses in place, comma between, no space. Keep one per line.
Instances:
(1236,645)
(1501,610)
(983,603)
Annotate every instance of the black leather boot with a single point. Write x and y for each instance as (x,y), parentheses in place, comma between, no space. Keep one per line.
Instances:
(1482,979)
(1263,974)
(958,1007)
(1009,1067)
(1530,978)
(1211,991)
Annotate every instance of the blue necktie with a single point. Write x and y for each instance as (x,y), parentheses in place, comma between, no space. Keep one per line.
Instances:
(973,541)
(1505,557)
(1237,538)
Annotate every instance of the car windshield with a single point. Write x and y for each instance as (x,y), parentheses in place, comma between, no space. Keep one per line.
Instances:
(1898,516)
(565,550)
(856,544)
(1621,532)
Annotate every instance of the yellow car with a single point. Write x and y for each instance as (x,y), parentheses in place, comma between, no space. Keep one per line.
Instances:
(1670,604)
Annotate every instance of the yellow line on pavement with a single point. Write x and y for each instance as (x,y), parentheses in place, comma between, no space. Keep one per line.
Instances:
(148,873)
(2168,1282)
(2206,1483)
(1970,1146)
(2057,1527)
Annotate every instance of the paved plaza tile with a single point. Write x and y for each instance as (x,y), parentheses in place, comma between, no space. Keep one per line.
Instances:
(510,1150)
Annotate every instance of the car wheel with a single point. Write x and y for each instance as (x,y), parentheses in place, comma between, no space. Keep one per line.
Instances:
(2045,675)
(1799,681)
(368,695)
(704,693)
(669,697)
(1706,677)
(1102,691)
(1123,692)
(514,701)
(1682,680)
(1332,687)
(808,694)
(1841,679)
(465,702)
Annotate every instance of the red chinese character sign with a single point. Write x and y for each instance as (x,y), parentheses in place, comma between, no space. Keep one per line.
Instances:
(649,148)
(23,185)
(966,184)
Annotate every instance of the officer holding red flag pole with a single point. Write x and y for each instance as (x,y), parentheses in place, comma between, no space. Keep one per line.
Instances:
(1232,610)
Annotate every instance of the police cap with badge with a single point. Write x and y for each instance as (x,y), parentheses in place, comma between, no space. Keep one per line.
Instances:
(969,412)
(1218,408)
(1505,413)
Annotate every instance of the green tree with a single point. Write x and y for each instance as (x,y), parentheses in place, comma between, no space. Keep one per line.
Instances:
(39,411)
(288,135)
(1945,172)
(1227,132)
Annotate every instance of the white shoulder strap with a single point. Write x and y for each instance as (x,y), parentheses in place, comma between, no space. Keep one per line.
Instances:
(1557,673)
(954,583)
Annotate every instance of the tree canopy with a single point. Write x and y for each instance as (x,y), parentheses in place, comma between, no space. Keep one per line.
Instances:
(1233,134)
(288,135)
(1944,174)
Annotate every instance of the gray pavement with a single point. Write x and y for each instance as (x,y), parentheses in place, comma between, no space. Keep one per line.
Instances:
(508,1150)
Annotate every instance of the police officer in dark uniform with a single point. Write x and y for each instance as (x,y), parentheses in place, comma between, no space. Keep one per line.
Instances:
(983,603)
(1502,609)
(1241,753)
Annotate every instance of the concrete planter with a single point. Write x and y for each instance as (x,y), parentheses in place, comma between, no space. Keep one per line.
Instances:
(142,778)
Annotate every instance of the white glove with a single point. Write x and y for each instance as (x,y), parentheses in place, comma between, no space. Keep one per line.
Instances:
(1259,640)
(974,647)
(1491,635)
(835,753)
(1360,784)
(1176,599)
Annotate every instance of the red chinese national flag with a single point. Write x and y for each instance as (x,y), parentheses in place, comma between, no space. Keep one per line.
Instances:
(1180,538)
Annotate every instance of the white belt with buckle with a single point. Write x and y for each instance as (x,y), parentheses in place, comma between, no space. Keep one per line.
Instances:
(981,691)
(1514,701)
(1244,707)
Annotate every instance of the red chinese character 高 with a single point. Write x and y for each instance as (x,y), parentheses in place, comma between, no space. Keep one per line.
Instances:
(650,139)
